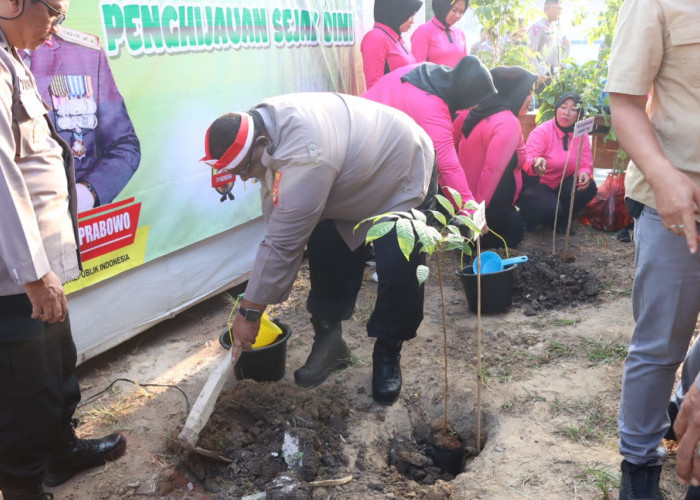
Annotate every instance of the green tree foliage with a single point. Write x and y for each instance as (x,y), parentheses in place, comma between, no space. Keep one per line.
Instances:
(501,18)
(587,79)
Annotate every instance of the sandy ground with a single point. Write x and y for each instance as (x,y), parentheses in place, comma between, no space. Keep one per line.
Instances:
(550,394)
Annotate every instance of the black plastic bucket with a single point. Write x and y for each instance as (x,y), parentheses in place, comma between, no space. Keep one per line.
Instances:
(496,289)
(264,364)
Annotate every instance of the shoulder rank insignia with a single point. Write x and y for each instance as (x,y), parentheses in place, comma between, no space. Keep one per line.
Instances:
(79,38)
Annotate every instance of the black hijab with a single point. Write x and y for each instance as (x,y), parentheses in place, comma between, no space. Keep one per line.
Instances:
(394,13)
(462,87)
(567,130)
(442,7)
(513,84)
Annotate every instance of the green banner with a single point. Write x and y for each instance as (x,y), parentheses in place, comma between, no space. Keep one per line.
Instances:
(134,86)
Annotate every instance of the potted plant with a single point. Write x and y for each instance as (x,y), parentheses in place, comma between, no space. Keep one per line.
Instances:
(442,234)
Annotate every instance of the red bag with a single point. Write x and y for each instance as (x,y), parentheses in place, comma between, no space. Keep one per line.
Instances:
(607,211)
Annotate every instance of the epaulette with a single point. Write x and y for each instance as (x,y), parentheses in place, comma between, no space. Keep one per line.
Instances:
(78,38)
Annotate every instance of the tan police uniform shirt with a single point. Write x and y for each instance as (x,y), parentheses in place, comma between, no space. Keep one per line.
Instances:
(334,157)
(657,49)
(37,227)
(544,41)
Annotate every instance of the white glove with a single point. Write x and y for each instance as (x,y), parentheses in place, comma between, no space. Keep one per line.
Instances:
(86,200)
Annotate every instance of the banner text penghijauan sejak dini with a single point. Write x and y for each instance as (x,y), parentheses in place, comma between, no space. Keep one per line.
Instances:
(145,28)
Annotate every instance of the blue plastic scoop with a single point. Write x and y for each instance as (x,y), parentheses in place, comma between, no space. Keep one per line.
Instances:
(491,262)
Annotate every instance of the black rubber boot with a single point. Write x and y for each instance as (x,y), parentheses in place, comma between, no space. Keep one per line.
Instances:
(34,492)
(386,371)
(328,354)
(74,455)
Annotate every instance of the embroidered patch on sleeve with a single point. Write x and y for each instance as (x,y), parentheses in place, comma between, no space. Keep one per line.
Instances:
(276,188)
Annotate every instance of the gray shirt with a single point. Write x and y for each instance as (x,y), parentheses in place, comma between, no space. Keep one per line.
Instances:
(334,157)
(37,227)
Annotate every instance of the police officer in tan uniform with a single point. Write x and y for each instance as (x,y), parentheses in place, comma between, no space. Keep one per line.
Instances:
(544,41)
(326,162)
(38,252)
(655,103)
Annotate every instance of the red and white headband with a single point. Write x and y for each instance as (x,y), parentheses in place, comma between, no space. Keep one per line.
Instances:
(237,151)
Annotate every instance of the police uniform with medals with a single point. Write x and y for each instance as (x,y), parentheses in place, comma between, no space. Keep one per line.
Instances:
(73,76)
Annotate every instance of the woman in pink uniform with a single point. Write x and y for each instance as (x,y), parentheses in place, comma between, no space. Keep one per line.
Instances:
(382,48)
(437,41)
(492,152)
(431,94)
(551,150)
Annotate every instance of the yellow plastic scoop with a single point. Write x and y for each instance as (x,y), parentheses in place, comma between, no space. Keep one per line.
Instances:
(268,332)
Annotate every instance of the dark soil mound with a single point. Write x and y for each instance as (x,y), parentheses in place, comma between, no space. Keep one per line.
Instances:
(266,429)
(547,282)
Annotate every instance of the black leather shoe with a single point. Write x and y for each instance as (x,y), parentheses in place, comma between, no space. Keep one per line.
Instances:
(328,354)
(35,492)
(640,481)
(81,454)
(386,371)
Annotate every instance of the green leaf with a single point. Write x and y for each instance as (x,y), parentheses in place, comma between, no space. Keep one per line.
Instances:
(418,215)
(434,234)
(379,230)
(446,204)
(453,241)
(375,218)
(403,215)
(467,248)
(453,230)
(454,194)
(439,217)
(422,273)
(463,219)
(407,240)
(471,225)
(471,205)
(424,237)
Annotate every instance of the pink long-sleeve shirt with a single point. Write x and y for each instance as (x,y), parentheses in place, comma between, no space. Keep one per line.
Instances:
(382,46)
(546,141)
(430,43)
(486,153)
(431,113)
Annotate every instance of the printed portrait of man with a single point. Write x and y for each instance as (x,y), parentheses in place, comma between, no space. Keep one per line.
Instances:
(74,78)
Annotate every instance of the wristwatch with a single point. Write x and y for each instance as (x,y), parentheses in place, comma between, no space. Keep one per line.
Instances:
(250,314)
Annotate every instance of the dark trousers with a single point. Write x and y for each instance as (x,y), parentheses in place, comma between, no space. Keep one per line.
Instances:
(539,202)
(336,275)
(507,222)
(501,216)
(39,390)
